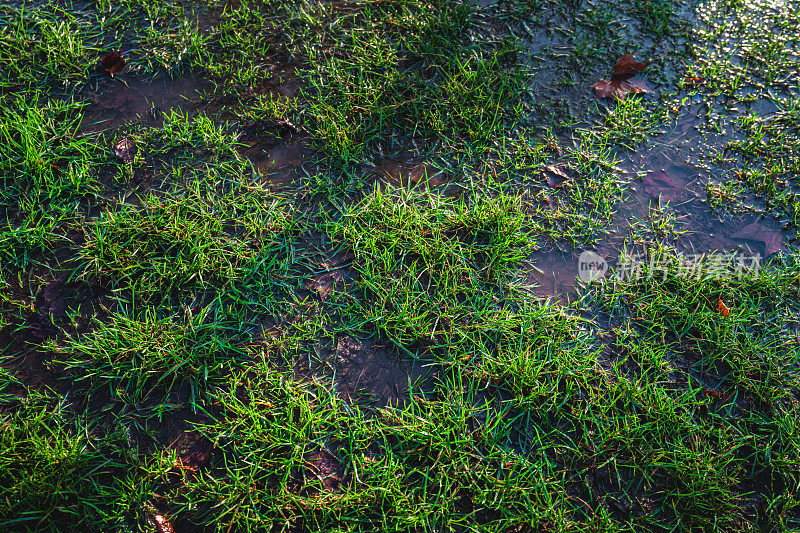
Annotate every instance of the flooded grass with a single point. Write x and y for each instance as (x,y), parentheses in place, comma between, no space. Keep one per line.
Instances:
(360,266)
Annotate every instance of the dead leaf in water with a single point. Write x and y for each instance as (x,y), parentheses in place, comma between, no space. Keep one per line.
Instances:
(198,455)
(626,67)
(620,88)
(555,176)
(125,149)
(621,83)
(658,183)
(113,63)
(772,239)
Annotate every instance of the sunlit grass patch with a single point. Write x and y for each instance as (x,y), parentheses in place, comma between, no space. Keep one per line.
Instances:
(215,300)
(136,354)
(44,157)
(750,349)
(376,85)
(436,464)
(726,383)
(46,169)
(54,471)
(39,47)
(431,268)
(180,242)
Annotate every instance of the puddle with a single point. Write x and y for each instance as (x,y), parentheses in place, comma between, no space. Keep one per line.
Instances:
(553,275)
(672,192)
(673,175)
(122,99)
(397,172)
(276,149)
(280,164)
(666,203)
(364,371)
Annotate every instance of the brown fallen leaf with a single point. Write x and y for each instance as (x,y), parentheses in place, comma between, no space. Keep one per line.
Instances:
(620,88)
(626,67)
(555,176)
(198,455)
(163,525)
(125,149)
(621,83)
(722,308)
(772,239)
(658,183)
(113,63)
(692,82)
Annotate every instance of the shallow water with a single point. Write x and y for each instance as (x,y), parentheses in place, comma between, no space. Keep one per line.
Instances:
(125,99)
(667,181)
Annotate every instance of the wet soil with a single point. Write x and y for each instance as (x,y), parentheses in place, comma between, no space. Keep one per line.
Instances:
(60,303)
(276,148)
(667,179)
(122,100)
(667,175)
(321,465)
(406,172)
(368,371)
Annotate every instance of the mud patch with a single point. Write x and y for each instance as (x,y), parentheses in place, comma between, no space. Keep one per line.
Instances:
(323,466)
(276,149)
(396,172)
(279,164)
(57,305)
(31,367)
(367,371)
(553,275)
(176,429)
(668,204)
(327,284)
(50,305)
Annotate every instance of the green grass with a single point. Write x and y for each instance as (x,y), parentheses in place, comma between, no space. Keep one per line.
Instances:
(42,47)
(47,170)
(181,301)
(432,273)
(53,471)
(370,87)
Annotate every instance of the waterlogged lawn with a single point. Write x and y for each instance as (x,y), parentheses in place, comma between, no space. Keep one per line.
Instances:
(316,266)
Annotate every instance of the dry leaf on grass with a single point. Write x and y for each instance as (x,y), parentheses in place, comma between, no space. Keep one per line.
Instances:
(198,455)
(163,525)
(723,309)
